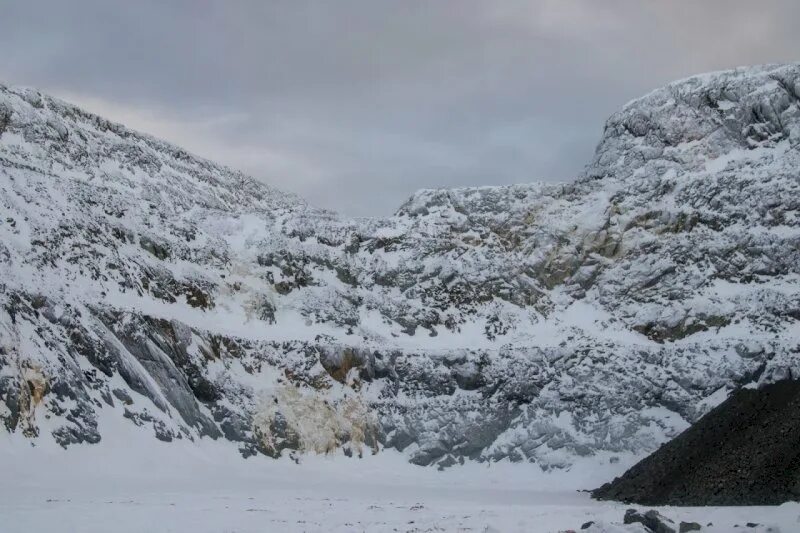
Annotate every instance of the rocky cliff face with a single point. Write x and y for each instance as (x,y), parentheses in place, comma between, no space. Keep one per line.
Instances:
(528,322)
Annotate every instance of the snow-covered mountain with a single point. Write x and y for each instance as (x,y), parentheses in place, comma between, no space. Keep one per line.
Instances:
(529,322)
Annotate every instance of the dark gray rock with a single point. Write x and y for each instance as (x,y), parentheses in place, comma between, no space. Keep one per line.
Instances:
(652,520)
(122,396)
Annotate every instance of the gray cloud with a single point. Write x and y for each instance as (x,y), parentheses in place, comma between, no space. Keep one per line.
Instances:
(355,104)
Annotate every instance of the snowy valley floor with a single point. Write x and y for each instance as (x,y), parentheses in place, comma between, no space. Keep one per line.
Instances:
(135,484)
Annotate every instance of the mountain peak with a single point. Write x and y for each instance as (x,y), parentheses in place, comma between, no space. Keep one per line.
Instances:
(706,116)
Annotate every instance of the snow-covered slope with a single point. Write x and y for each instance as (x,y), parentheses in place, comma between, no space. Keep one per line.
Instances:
(529,322)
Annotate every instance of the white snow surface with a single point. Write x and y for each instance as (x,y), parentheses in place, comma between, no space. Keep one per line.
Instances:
(131,483)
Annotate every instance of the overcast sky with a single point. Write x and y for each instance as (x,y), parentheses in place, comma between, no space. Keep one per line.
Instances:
(356,104)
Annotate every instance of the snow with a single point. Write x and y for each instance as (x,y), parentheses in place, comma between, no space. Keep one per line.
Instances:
(131,483)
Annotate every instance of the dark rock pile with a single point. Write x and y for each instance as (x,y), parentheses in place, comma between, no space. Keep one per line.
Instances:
(744,452)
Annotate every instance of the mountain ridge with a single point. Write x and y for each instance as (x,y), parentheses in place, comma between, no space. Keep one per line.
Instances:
(538,322)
